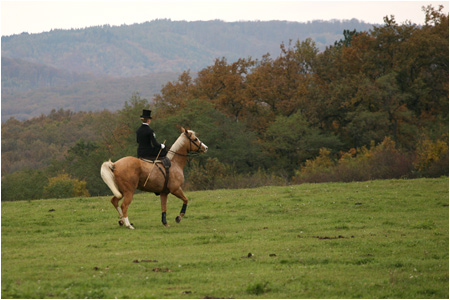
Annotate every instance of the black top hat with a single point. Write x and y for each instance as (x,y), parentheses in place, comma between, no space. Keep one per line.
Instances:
(146,113)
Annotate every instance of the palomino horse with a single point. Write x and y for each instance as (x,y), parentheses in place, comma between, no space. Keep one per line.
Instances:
(130,173)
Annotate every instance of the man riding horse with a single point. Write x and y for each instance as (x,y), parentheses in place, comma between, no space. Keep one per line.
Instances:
(146,138)
(129,173)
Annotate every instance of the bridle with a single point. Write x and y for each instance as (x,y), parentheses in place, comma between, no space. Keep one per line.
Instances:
(199,146)
(191,141)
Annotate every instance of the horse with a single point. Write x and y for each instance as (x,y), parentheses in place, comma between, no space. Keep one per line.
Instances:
(129,173)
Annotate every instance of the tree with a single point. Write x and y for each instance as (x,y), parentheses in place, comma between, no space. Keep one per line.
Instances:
(23,185)
(174,95)
(290,141)
(224,85)
(83,162)
(229,141)
(281,84)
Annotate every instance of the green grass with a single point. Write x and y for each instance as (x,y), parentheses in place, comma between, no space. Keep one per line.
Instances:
(378,239)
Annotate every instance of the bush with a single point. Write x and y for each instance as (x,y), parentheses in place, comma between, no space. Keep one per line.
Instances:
(383,161)
(319,169)
(432,158)
(23,185)
(62,186)
(208,176)
(217,175)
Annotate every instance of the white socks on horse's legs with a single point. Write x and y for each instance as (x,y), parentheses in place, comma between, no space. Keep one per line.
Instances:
(127,223)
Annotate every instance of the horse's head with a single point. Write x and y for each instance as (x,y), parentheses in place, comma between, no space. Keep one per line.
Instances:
(195,145)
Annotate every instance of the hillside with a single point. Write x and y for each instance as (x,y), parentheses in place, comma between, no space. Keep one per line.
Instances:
(164,45)
(19,75)
(94,95)
(82,67)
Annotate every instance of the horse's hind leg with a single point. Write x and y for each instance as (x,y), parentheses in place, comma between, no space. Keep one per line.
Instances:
(163,198)
(128,197)
(180,194)
(115,203)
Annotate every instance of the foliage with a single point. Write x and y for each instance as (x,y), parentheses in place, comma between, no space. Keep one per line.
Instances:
(230,142)
(37,142)
(62,186)
(432,157)
(208,177)
(216,175)
(291,140)
(23,184)
(361,240)
(378,162)
(83,161)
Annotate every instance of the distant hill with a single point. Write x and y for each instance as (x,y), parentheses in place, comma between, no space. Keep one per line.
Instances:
(19,75)
(51,69)
(164,45)
(102,93)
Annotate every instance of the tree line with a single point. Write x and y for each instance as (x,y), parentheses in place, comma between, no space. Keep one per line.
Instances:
(373,105)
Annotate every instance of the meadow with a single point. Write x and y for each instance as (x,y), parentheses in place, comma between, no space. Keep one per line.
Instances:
(375,239)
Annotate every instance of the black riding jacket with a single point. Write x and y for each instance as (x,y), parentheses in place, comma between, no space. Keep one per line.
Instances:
(148,146)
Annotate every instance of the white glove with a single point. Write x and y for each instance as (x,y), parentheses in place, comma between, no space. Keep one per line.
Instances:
(163,146)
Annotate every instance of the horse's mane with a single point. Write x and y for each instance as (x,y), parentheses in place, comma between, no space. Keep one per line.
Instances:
(177,145)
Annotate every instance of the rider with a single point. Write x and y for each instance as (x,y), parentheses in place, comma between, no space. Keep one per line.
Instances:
(145,136)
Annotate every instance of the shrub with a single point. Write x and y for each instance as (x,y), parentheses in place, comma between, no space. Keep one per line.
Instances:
(62,186)
(208,176)
(217,175)
(388,162)
(23,185)
(383,161)
(319,169)
(432,157)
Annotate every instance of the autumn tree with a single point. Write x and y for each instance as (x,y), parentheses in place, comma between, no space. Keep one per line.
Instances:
(174,95)
(225,86)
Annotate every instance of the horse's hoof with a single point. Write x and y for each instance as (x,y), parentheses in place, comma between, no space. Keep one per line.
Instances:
(121,223)
(131,227)
(166,225)
(178,219)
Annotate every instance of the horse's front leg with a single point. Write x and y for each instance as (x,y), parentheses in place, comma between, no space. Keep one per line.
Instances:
(164,209)
(180,194)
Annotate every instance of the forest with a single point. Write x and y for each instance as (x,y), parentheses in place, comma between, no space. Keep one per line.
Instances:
(373,105)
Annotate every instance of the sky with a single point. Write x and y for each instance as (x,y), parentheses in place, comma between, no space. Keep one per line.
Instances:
(39,16)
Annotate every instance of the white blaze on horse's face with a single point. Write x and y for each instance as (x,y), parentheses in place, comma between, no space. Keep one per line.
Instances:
(204,147)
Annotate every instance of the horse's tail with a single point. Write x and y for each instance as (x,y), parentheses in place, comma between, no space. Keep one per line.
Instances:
(108,177)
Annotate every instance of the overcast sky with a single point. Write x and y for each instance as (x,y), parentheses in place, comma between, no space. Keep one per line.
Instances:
(38,16)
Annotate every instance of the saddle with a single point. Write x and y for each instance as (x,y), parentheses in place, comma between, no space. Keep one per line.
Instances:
(165,161)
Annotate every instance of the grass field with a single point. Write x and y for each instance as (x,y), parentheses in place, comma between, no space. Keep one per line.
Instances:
(377,239)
